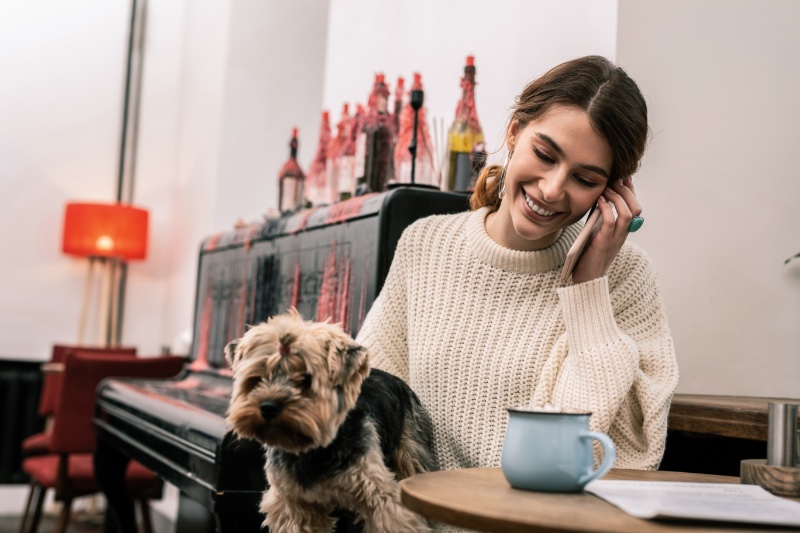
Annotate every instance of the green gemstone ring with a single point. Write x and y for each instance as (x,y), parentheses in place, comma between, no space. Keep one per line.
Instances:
(635,224)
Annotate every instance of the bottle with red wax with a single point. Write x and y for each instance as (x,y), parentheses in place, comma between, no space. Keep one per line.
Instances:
(377,137)
(315,181)
(291,180)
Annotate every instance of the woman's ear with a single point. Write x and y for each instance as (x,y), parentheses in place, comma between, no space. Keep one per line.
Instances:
(511,134)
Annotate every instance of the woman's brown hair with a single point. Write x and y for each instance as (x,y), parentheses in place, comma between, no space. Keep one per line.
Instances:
(615,106)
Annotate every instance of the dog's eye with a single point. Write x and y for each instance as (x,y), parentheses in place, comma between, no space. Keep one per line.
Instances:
(252,383)
(305,380)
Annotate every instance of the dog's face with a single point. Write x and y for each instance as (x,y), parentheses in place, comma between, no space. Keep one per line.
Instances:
(294,382)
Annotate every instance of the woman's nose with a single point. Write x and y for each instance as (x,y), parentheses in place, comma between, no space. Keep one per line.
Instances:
(552,186)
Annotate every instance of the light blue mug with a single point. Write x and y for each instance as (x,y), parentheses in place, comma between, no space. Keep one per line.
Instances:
(551,451)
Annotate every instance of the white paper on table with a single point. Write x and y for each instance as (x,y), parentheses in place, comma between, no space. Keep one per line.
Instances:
(726,502)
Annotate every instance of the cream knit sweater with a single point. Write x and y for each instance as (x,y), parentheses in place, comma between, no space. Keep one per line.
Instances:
(475,328)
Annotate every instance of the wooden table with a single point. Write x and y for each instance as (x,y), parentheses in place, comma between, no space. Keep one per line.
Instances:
(728,416)
(481,498)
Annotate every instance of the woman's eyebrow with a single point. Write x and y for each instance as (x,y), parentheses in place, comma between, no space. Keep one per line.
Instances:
(549,140)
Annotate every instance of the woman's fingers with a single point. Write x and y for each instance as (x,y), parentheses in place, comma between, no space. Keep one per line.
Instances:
(628,182)
(624,215)
(606,213)
(629,195)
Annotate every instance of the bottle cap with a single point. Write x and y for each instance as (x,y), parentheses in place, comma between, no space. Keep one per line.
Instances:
(417,81)
(400,82)
(294,132)
(345,108)
(379,78)
(470,61)
(325,116)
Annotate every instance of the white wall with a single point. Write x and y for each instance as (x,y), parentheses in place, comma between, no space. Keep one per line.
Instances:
(719,184)
(223,84)
(60,113)
(513,42)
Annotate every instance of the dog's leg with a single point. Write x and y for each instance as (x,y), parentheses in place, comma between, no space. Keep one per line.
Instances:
(379,505)
(415,454)
(289,515)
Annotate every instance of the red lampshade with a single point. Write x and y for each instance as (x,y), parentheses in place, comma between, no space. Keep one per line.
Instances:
(105,230)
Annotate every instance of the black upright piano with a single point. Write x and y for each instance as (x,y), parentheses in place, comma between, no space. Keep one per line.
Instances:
(328,262)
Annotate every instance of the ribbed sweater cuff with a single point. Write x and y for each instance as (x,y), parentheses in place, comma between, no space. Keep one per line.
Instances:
(588,314)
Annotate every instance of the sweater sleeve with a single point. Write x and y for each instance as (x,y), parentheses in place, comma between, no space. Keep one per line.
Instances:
(616,359)
(385,328)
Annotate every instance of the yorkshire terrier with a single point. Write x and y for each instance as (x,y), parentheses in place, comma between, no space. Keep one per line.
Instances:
(336,434)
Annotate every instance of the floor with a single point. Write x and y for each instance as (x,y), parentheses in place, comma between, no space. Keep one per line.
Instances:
(10,524)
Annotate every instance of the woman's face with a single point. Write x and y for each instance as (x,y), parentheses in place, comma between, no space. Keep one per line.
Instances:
(559,168)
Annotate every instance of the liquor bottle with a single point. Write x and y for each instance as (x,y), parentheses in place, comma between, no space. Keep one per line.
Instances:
(291,180)
(378,139)
(315,181)
(464,134)
(346,160)
(360,144)
(332,165)
(402,156)
(398,102)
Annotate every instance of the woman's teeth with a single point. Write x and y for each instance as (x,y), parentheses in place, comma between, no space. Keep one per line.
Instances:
(536,209)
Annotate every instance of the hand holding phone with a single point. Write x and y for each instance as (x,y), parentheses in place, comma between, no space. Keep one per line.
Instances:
(584,238)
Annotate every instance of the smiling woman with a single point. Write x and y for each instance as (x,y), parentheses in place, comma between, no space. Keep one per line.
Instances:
(474,316)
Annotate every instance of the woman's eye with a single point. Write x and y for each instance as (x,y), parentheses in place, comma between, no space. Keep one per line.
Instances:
(585,182)
(543,156)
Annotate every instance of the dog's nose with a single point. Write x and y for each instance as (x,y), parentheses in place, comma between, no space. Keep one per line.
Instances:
(270,409)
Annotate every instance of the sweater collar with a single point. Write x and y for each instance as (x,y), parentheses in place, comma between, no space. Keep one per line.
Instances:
(498,256)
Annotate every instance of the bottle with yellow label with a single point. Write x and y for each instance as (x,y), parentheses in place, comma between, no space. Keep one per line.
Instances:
(465,133)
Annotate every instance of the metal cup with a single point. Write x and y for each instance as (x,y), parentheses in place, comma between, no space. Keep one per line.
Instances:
(782,444)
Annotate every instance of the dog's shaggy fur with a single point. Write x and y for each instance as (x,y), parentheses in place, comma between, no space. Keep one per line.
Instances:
(335,434)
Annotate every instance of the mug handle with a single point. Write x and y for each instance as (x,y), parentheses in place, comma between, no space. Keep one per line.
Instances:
(609,455)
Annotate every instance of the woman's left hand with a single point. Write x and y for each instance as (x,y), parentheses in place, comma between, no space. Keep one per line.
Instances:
(608,240)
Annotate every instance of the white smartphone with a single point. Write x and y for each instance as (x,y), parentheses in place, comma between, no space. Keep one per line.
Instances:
(593,222)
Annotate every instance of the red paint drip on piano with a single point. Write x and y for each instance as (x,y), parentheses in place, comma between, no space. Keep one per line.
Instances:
(333,301)
(212,241)
(248,243)
(296,288)
(344,299)
(303,222)
(341,211)
(201,362)
(326,289)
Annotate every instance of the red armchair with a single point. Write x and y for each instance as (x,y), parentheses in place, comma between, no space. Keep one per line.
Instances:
(40,442)
(68,468)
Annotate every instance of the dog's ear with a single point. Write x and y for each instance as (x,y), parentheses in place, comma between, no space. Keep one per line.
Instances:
(350,371)
(231,353)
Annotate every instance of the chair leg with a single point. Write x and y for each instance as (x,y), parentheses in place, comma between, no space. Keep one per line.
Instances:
(27,507)
(31,493)
(63,519)
(144,508)
(34,505)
